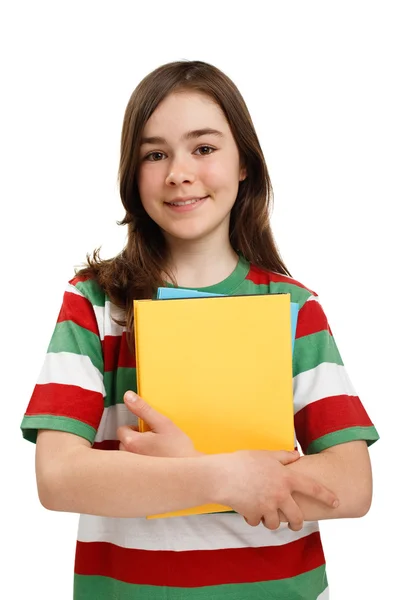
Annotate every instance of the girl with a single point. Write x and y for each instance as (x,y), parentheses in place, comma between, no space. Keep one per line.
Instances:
(196,192)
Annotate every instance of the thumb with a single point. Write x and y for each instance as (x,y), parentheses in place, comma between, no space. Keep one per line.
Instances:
(285,457)
(155,420)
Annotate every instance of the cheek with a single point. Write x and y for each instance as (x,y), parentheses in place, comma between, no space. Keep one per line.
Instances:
(220,174)
(213,176)
(144,179)
(149,182)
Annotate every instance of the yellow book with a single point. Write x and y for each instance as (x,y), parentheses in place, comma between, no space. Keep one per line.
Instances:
(221,369)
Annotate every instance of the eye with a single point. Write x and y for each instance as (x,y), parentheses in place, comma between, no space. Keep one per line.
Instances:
(154,155)
(206,148)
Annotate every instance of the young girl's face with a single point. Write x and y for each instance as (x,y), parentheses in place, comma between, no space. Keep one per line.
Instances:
(189,167)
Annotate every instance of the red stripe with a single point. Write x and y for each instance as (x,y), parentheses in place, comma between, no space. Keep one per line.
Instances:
(328,415)
(80,279)
(311,319)
(60,400)
(106,445)
(197,568)
(79,310)
(117,353)
(264,277)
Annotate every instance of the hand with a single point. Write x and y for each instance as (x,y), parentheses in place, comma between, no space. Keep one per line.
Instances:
(164,438)
(257,485)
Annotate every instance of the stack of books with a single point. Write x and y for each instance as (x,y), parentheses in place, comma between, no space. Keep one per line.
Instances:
(220,367)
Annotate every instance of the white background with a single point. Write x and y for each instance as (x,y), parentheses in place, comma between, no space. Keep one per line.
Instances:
(321,83)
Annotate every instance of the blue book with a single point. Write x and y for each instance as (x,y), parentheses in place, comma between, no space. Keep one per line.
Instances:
(168,293)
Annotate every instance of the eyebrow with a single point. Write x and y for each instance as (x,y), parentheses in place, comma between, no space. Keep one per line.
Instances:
(190,135)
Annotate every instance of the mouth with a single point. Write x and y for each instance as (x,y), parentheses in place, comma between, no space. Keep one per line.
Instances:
(186,202)
(186,205)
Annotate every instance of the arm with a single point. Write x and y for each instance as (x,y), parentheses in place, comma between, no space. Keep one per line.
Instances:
(346,470)
(255,484)
(328,412)
(73,477)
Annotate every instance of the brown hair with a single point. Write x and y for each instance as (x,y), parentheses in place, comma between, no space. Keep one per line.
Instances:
(137,271)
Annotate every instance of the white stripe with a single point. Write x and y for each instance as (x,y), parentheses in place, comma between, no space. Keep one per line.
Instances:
(324,595)
(99,313)
(73,290)
(105,316)
(71,369)
(114,312)
(327,379)
(199,532)
(113,417)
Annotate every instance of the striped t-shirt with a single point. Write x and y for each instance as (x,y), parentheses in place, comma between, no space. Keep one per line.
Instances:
(80,390)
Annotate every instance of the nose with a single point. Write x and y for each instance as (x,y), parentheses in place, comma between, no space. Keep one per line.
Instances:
(179,173)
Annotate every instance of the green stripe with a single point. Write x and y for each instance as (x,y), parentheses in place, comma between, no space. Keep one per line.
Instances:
(350,434)
(306,586)
(297,293)
(250,288)
(118,382)
(92,291)
(70,337)
(312,350)
(30,426)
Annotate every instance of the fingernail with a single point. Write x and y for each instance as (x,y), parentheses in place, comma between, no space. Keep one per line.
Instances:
(335,504)
(130,397)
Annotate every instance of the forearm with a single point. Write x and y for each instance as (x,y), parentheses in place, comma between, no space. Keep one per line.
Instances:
(122,484)
(350,480)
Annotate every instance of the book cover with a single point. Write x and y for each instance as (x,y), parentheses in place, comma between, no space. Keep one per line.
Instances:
(167,293)
(221,369)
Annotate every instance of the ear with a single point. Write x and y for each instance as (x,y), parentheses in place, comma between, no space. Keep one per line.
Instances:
(242,174)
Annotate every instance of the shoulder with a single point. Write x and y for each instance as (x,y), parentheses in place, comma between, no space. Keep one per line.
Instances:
(280,283)
(89,288)
(86,302)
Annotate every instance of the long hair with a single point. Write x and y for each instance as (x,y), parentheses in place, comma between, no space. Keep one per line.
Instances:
(137,270)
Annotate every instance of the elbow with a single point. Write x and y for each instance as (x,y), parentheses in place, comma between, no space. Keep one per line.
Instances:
(46,493)
(364,504)
(46,500)
(50,490)
(360,502)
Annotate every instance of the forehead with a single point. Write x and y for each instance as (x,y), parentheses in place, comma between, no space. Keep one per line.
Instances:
(181,111)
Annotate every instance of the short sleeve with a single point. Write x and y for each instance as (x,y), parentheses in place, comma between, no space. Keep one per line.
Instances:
(326,406)
(69,394)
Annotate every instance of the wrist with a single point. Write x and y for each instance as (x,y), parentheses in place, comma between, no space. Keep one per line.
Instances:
(218,477)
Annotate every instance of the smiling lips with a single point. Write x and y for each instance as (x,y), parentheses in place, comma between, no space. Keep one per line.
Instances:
(185,204)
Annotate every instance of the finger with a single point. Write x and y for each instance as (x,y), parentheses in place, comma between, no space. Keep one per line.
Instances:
(292,514)
(310,487)
(271,520)
(252,520)
(286,457)
(156,421)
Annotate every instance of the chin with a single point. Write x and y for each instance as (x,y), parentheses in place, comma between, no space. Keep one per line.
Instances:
(188,233)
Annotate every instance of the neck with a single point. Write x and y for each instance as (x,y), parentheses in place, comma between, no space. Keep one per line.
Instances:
(201,263)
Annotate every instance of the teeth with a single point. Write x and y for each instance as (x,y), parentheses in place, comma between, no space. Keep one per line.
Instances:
(193,201)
